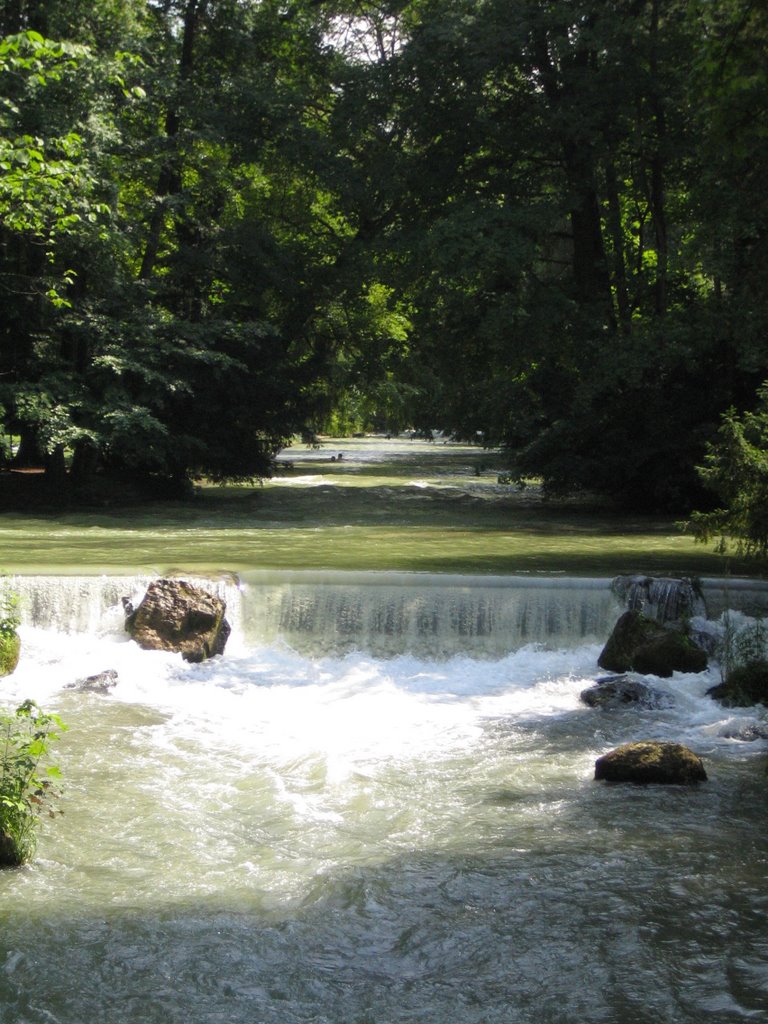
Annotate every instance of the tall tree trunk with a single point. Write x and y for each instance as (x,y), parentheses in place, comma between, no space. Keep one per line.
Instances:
(29,454)
(590,272)
(55,467)
(170,177)
(657,168)
(620,286)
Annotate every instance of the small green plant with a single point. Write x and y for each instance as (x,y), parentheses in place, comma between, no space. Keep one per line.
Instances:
(736,469)
(9,608)
(26,782)
(10,643)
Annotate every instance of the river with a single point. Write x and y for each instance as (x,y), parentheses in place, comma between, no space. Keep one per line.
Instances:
(377,808)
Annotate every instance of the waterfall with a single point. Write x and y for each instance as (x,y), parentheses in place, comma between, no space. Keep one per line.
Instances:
(424,614)
(744,595)
(388,613)
(384,614)
(93,604)
(667,600)
(660,598)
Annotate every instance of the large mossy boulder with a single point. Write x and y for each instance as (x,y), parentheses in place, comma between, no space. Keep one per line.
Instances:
(651,761)
(10,651)
(639,644)
(176,615)
(674,652)
(744,686)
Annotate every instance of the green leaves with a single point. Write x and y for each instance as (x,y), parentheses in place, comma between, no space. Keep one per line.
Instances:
(526,221)
(736,470)
(25,780)
(9,608)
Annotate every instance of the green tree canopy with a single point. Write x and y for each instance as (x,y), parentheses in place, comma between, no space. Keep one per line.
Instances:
(227,221)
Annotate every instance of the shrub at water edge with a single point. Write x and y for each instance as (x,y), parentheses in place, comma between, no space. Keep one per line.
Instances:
(10,642)
(26,784)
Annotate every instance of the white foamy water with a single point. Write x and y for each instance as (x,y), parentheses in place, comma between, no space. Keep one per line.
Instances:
(283,835)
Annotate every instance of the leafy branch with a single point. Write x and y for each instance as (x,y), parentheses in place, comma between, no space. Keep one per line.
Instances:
(26,782)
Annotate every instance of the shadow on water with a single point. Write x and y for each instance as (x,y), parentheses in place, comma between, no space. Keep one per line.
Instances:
(235,861)
(386,505)
(507,933)
(334,526)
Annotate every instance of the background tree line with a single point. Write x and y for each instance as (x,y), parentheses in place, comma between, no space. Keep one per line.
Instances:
(539,224)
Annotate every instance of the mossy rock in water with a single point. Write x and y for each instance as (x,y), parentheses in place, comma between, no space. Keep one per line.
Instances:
(632,630)
(642,645)
(673,652)
(10,856)
(650,761)
(10,650)
(745,686)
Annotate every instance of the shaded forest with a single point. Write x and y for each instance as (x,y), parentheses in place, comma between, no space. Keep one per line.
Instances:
(535,225)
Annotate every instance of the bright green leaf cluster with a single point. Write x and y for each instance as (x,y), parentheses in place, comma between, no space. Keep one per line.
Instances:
(26,781)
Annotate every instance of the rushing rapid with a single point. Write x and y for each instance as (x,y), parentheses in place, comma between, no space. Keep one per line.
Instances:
(378,807)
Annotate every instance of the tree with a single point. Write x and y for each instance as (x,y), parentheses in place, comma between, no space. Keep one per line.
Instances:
(736,469)
(184,340)
(525,222)
(530,181)
(48,194)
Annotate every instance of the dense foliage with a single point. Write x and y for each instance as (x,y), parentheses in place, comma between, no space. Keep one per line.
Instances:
(538,224)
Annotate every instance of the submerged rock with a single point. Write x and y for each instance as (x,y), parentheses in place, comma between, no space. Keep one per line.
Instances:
(651,761)
(177,616)
(618,691)
(102,682)
(744,731)
(642,645)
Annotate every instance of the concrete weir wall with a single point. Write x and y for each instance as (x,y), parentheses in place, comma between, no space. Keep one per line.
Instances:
(749,596)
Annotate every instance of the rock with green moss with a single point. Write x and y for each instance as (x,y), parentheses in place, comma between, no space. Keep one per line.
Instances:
(673,652)
(640,644)
(651,761)
(10,650)
(744,686)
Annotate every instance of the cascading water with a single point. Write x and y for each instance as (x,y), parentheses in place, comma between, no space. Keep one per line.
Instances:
(378,807)
(665,600)
(427,615)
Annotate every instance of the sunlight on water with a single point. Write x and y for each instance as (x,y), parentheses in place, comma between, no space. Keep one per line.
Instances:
(377,807)
(398,505)
(353,838)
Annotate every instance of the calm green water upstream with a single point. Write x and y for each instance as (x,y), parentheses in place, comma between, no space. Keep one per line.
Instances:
(378,806)
(401,505)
